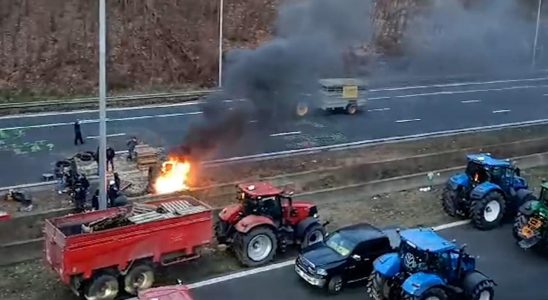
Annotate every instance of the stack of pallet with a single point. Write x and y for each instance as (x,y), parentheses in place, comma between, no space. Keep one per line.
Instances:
(164,211)
(147,156)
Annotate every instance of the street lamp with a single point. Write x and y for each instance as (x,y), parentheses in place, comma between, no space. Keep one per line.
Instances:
(535,42)
(221,4)
(102,106)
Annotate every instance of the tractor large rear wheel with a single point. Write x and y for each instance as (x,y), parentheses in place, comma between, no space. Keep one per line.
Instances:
(487,213)
(255,248)
(449,202)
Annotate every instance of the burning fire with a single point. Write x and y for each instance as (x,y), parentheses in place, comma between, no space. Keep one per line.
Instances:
(173,177)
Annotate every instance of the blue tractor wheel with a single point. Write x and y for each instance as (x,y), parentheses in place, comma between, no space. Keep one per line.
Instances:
(379,288)
(478,287)
(487,213)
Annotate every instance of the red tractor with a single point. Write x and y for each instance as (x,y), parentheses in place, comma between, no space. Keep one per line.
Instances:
(266,220)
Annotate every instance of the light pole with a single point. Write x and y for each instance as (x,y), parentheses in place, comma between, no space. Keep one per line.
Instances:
(535,42)
(221,5)
(102,106)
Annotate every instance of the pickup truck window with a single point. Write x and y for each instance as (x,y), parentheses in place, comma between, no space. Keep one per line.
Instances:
(340,244)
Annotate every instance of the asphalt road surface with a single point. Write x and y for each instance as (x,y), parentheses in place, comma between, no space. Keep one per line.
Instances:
(519,274)
(390,112)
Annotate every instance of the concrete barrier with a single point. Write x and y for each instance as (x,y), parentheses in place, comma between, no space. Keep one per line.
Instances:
(32,249)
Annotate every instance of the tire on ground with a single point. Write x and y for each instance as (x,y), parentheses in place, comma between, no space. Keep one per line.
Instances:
(483,288)
(243,242)
(448,202)
(478,211)
(351,109)
(519,221)
(376,286)
(434,293)
(312,235)
(140,277)
(102,287)
(335,285)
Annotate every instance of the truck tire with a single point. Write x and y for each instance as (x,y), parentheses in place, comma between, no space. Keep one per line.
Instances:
(351,109)
(102,287)
(449,202)
(378,287)
(255,248)
(487,213)
(314,234)
(140,277)
(434,293)
(335,285)
(302,109)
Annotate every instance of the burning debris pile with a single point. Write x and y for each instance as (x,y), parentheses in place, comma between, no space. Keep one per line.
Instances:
(173,176)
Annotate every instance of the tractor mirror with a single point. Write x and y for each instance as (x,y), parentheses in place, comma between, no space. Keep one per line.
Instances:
(518,171)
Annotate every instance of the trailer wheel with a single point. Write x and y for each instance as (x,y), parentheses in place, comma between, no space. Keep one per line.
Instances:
(351,109)
(140,277)
(102,287)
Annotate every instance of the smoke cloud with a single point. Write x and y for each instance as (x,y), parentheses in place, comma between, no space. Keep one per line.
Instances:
(455,36)
(310,39)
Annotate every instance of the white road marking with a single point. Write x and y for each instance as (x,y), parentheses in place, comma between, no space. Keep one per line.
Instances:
(408,120)
(470,101)
(286,133)
(501,111)
(34,115)
(284,264)
(108,135)
(108,120)
(253,121)
(457,84)
(471,91)
(379,109)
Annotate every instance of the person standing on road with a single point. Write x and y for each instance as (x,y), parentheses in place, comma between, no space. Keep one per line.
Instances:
(78,133)
(110,158)
(131,144)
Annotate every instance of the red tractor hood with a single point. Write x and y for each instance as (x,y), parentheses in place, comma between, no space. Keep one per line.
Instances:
(230,212)
(173,292)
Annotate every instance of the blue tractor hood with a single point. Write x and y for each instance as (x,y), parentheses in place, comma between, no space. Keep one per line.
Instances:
(387,265)
(459,179)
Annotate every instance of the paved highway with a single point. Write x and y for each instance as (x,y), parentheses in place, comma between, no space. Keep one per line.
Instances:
(396,111)
(519,274)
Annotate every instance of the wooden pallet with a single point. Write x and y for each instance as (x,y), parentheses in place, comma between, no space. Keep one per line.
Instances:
(146,156)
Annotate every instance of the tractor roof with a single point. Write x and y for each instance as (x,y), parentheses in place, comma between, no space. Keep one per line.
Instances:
(487,159)
(427,240)
(260,189)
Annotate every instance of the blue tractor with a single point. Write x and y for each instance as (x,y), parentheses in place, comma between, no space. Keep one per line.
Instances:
(489,190)
(428,267)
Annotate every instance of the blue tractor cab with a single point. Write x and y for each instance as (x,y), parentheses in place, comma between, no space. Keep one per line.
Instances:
(487,191)
(428,266)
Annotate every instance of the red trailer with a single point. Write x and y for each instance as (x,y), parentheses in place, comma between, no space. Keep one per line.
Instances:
(100,253)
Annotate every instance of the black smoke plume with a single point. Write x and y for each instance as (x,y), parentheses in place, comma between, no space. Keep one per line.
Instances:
(310,38)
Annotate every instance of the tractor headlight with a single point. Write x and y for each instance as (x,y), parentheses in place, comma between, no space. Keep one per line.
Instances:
(315,216)
(321,272)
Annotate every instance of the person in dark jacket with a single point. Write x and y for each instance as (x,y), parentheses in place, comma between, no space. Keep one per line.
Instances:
(110,158)
(78,133)
(117,180)
(131,144)
(95,200)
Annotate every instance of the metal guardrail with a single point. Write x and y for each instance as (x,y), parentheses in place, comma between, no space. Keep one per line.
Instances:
(200,93)
(92,100)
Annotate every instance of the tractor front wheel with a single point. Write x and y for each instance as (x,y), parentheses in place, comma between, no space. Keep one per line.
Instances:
(487,213)
(485,290)
(255,248)
(378,287)
(434,293)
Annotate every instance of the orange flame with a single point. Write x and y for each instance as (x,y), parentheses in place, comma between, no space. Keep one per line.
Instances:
(173,177)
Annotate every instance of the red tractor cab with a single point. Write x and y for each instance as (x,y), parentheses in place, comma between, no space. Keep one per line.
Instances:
(266,219)
(173,292)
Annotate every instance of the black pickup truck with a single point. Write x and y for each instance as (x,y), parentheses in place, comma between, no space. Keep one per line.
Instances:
(345,256)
